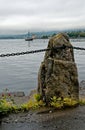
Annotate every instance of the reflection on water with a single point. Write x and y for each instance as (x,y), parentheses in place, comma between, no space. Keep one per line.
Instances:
(19,73)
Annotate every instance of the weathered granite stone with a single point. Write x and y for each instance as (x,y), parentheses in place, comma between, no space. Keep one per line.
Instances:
(82,90)
(58,73)
(82,85)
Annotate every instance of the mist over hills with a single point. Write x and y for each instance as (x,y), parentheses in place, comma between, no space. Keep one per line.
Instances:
(23,36)
(42,33)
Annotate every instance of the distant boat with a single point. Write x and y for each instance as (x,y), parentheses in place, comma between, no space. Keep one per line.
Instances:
(29,38)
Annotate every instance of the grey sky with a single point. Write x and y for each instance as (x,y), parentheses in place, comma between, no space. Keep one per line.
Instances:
(23,15)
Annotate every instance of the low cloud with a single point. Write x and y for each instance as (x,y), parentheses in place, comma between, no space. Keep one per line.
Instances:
(41,15)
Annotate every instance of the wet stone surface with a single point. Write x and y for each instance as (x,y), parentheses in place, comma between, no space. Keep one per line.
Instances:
(71,119)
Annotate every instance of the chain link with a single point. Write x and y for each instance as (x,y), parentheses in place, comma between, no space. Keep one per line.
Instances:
(23,53)
(41,50)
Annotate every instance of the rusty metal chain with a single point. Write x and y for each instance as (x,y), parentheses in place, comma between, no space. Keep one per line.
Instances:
(22,53)
(41,50)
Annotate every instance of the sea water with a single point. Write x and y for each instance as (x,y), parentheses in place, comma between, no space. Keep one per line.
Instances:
(20,73)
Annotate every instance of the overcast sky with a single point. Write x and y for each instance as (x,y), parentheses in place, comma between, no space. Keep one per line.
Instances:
(19,16)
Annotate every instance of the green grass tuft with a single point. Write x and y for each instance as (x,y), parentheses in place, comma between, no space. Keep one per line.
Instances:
(8,106)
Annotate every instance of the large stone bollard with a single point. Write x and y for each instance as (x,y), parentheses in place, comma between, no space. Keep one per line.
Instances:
(58,73)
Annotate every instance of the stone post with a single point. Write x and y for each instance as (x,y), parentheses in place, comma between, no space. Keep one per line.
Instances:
(58,72)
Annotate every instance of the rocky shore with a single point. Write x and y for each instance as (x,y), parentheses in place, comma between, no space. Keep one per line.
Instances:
(47,119)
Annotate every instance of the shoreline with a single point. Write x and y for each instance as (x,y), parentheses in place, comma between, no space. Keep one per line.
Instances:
(44,119)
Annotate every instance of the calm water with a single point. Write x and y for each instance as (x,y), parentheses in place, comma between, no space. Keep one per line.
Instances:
(19,73)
